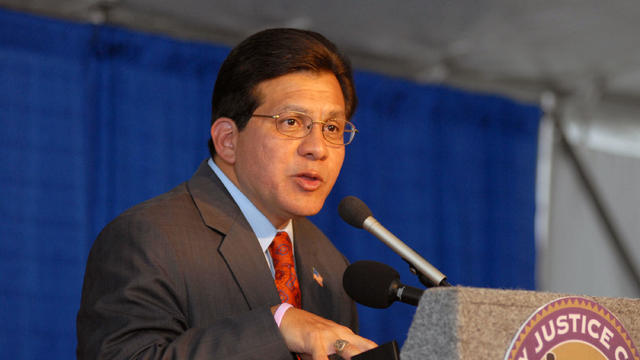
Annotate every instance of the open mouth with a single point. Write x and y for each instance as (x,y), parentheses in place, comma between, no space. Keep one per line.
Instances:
(309,181)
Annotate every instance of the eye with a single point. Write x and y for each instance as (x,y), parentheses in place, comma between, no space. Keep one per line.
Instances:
(290,123)
(333,127)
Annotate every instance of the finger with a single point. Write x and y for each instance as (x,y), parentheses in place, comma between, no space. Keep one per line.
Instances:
(348,351)
(357,342)
(320,357)
(355,345)
(363,343)
(319,353)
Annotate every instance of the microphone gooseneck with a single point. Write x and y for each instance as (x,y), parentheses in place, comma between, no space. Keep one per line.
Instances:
(356,213)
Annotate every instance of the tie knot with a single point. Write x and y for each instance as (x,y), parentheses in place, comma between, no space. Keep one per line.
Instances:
(281,245)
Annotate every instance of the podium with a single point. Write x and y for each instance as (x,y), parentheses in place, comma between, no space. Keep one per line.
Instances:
(473,323)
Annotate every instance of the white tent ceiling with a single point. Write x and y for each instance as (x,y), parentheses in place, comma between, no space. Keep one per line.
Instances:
(569,45)
(585,51)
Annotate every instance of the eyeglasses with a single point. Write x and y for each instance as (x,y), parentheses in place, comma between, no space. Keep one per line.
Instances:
(298,125)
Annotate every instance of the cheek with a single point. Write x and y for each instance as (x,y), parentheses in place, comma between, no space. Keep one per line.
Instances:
(269,163)
(251,165)
(337,160)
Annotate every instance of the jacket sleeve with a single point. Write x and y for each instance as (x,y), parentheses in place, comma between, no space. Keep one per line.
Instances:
(135,306)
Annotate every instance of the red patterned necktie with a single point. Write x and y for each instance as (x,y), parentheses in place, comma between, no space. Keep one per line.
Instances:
(285,271)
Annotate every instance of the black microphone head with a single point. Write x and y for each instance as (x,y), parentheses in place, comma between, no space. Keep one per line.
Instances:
(370,283)
(353,211)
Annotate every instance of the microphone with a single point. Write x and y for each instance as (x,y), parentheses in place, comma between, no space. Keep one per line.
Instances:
(356,213)
(377,285)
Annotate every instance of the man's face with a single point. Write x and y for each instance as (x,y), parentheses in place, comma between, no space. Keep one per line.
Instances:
(283,176)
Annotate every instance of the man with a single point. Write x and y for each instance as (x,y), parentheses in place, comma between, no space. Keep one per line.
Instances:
(190,274)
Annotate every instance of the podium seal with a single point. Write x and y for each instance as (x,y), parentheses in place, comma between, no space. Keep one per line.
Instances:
(572,328)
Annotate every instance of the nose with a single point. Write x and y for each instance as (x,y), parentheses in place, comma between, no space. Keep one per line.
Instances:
(314,146)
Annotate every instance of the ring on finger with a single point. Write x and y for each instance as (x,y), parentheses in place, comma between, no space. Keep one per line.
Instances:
(339,345)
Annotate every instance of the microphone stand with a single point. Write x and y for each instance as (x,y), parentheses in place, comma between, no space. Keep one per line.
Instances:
(423,279)
(428,275)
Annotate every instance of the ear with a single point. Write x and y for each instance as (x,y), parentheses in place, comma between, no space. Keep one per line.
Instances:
(224,134)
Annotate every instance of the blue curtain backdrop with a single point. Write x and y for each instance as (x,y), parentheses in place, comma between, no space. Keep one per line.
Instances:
(95,119)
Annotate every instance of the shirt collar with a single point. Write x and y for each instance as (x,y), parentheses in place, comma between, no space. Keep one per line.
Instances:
(261,226)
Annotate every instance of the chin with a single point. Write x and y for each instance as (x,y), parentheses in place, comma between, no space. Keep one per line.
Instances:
(306,208)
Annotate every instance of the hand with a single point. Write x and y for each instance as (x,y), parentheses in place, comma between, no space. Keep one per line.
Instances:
(314,337)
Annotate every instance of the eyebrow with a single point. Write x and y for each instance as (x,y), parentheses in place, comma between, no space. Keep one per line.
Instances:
(298,108)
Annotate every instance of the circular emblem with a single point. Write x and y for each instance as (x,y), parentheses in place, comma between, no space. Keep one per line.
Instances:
(572,328)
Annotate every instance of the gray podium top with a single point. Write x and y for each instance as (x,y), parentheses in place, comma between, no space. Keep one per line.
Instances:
(473,323)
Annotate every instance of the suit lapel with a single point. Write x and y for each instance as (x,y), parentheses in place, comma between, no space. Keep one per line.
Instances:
(239,247)
(316,293)
(244,256)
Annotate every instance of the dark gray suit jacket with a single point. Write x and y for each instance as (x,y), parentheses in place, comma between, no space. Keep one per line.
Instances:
(182,276)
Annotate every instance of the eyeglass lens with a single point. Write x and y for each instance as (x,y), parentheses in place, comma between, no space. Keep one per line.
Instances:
(298,125)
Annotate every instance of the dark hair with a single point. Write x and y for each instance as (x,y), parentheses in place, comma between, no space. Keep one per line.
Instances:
(269,54)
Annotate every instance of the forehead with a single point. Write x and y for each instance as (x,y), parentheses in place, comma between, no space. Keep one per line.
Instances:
(303,91)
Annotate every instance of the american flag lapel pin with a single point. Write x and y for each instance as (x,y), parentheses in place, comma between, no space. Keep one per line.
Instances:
(317,277)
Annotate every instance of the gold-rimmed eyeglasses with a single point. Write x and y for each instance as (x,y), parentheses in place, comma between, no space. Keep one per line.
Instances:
(298,125)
